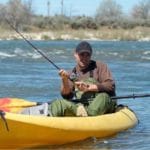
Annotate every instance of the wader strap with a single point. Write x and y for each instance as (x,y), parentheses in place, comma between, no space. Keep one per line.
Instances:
(91,73)
(75,71)
(2,115)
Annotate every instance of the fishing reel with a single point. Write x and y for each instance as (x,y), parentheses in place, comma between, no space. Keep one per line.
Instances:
(73,77)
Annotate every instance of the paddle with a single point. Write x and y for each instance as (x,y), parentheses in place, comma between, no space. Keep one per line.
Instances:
(16,104)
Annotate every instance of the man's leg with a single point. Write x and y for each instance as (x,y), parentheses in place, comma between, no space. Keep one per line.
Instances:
(62,108)
(101,104)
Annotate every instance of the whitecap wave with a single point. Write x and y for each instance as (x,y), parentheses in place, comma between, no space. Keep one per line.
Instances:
(145,57)
(113,53)
(19,51)
(146,53)
(4,55)
(59,52)
(36,56)
(26,53)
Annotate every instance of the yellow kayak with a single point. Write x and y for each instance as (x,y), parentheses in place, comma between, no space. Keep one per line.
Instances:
(29,131)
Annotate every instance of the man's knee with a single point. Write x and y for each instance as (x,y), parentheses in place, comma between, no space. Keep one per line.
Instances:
(100,105)
(103,96)
(62,107)
(55,108)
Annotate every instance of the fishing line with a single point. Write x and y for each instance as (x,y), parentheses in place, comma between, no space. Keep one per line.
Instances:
(72,77)
(41,53)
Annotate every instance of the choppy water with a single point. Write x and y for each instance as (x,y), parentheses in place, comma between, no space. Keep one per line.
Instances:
(25,74)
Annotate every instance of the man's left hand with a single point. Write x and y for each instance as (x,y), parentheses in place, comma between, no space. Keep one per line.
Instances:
(86,87)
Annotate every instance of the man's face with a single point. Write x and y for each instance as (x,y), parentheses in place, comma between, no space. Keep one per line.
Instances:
(82,59)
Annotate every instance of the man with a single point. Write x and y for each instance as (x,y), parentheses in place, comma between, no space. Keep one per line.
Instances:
(89,93)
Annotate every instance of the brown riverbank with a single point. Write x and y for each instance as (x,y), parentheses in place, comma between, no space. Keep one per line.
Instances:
(138,33)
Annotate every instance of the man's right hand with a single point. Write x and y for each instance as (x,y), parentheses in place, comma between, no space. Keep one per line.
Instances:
(64,74)
(65,86)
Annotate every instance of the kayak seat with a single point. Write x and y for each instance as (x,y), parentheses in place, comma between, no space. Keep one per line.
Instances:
(36,110)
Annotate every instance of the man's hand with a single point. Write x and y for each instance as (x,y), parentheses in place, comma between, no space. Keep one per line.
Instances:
(64,74)
(66,88)
(86,87)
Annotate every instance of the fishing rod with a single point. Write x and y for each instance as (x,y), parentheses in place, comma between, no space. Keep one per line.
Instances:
(113,98)
(121,97)
(131,96)
(32,45)
(72,76)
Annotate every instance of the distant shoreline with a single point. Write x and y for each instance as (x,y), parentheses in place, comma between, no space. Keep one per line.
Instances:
(136,34)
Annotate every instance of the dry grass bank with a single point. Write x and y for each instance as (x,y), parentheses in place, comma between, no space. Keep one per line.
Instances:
(138,33)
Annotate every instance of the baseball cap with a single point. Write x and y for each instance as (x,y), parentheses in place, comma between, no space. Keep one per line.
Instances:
(83,47)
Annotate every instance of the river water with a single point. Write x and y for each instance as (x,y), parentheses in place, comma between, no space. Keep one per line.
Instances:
(26,74)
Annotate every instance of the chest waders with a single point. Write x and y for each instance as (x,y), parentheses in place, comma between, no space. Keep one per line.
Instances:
(95,103)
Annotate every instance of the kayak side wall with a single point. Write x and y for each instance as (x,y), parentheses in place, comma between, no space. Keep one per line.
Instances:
(36,130)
